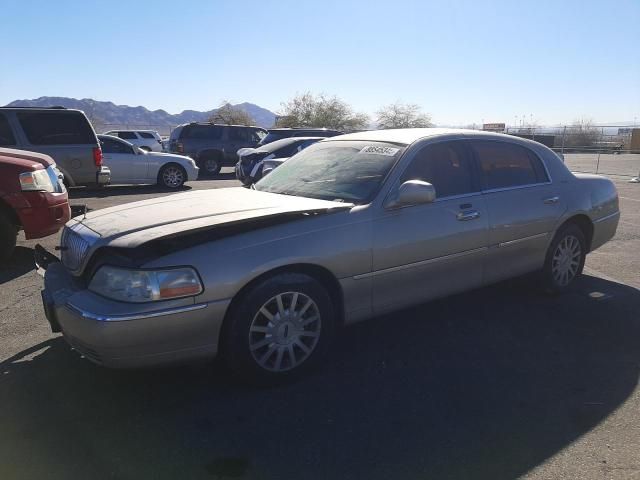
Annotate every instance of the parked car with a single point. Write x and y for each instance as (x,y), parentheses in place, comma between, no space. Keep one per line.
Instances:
(213,146)
(32,197)
(148,140)
(130,164)
(350,227)
(63,134)
(249,168)
(280,133)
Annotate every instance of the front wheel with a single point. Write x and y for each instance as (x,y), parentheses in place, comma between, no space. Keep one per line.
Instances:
(172,176)
(565,258)
(279,329)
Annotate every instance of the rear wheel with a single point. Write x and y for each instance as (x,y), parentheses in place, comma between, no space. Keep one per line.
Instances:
(565,258)
(279,329)
(172,176)
(210,165)
(8,236)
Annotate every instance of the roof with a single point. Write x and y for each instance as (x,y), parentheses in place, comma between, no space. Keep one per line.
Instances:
(410,135)
(311,129)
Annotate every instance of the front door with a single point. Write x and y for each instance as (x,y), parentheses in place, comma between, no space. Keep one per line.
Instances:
(125,164)
(426,251)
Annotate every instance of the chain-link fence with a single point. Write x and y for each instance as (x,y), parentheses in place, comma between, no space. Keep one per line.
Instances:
(612,150)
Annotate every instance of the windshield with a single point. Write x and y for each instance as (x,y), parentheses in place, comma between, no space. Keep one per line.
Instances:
(349,171)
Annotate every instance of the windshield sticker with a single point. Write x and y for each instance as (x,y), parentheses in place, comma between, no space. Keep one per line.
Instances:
(375,150)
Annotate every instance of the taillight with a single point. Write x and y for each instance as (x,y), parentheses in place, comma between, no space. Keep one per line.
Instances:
(97,156)
(179,147)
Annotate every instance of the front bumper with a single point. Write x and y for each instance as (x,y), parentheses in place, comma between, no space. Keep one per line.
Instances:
(43,214)
(123,335)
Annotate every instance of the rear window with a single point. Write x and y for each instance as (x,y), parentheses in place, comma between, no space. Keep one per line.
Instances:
(56,128)
(146,135)
(202,132)
(505,165)
(6,135)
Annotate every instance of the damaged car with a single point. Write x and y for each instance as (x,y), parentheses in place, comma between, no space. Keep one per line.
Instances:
(350,227)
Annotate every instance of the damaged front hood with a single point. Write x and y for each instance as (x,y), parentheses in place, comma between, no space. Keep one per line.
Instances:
(133,224)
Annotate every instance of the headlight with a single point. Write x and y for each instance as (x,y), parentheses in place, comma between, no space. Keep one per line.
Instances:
(37,181)
(145,285)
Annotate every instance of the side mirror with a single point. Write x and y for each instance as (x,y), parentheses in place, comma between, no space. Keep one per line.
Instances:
(412,192)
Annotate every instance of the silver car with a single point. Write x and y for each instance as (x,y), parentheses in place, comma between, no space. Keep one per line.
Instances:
(352,227)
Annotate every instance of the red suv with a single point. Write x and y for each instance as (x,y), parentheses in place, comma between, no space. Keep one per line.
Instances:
(32,197)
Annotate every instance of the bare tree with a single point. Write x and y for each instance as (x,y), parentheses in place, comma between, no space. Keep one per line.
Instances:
(309,110)
(582,133)
(402,115)
(227,114)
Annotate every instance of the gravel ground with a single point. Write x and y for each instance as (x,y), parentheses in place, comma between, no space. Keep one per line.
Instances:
(500,382)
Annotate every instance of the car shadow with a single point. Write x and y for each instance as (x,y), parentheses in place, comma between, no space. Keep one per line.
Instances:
(220,176)
(20,262)
(484,385)
(117,190)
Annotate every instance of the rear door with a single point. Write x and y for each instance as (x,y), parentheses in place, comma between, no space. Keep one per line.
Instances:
(66,136)
(524,206)
(425,251)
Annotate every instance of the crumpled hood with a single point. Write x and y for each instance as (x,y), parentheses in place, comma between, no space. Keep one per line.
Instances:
(132,224)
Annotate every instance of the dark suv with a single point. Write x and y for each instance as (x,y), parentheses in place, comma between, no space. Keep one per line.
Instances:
(213,146)
(63,134)
(280,133)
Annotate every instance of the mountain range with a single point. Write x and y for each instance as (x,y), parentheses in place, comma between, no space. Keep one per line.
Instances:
(107,114)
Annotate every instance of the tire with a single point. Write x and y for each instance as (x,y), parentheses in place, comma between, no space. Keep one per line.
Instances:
(210,165)
(565,259)
(263,344)
(172,176)
(8,237)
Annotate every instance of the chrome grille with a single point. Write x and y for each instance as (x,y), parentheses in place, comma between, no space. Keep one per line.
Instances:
(74,248)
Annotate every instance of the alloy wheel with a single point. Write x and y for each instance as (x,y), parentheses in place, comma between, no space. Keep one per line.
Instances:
(285,331)
(566,260)
(173,177)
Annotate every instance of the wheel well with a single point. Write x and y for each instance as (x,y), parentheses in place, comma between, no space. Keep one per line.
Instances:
(10,212)
(585,224)
(321,274)
(205,154)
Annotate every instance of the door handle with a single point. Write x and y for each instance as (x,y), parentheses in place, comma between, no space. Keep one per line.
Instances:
(468,215)
(551,200)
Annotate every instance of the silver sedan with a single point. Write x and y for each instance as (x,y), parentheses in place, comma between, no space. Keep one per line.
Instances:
(352,227)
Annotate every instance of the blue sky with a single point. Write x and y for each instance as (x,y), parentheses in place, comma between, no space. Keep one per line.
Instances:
(461,61)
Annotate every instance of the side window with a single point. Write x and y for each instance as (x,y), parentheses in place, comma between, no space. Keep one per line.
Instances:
(504,165)
(239,134)
(127,135)
(257,135)
(447,166)
(6,135)
(146,135)
(113,146)
(202,132)
(56,128)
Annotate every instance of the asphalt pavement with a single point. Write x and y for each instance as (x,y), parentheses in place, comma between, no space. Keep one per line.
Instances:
(500,382)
